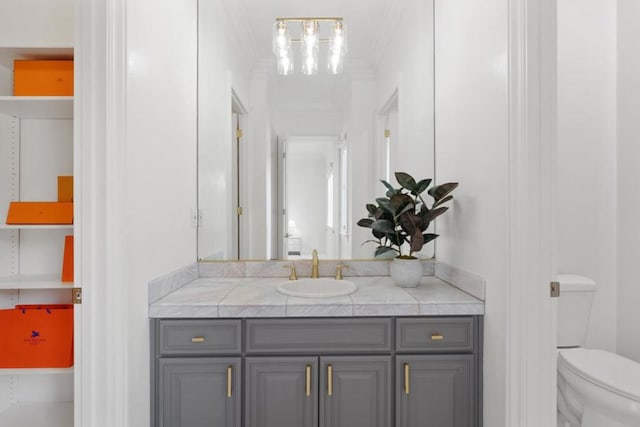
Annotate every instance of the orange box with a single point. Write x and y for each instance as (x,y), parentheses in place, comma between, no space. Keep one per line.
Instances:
(67,260)
(65,189)
(37,336)
(40,213)
(42,78)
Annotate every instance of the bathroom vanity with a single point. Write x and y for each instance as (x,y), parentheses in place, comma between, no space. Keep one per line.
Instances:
(234,352)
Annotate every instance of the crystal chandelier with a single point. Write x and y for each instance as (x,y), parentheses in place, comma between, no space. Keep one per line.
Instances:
(309,39)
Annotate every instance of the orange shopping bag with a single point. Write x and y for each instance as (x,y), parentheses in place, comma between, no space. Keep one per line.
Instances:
(36,336)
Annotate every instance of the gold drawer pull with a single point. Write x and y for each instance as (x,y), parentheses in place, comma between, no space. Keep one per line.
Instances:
(329,380)
(437,337)
(307,383)
(229,380)
(406,378)
(197,340)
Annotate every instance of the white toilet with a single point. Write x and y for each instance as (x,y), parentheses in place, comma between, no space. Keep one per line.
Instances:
(596,388)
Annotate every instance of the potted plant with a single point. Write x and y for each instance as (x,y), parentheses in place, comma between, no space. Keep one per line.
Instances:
(399,222)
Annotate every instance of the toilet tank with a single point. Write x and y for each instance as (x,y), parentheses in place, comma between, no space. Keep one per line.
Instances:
(574,308)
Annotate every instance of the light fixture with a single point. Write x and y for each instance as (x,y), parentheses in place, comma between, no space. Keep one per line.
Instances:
(310,40)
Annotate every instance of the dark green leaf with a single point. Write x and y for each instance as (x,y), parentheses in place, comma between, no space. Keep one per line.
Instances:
(440,191)
(429,237)
(381,250)
(371,208)
(434,213)
(383,226)
(421,186)
(365,222)
(406,180)
(386,184)
(444,200)
(417,241)
(398,203)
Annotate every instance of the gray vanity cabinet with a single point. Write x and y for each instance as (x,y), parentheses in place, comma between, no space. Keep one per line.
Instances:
(196,373)
(317,372)
(352,391)
(355,391)
(281,392)
(201,392)
(437,371)
(434,391)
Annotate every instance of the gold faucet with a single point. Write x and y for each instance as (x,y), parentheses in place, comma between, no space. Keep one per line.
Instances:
(314,264)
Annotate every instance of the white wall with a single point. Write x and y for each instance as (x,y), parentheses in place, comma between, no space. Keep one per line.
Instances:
(628,178)
(586,168)
(222,67)
(160,171)
(406,66)
(472,149)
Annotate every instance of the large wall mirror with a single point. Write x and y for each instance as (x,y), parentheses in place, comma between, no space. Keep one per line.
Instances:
(286,163)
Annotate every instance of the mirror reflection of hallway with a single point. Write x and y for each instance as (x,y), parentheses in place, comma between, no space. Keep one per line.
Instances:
(312,196)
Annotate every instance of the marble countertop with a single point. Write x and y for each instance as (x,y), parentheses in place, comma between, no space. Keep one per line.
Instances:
(258,297)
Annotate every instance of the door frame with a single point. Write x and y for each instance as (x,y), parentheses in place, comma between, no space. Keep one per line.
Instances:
(531,317)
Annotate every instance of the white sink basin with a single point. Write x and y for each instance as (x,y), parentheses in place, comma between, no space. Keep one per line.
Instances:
(317,288)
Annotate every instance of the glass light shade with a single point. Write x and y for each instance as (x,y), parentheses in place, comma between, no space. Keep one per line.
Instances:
(337,48)
(285,65)
(335,63)
(281,39)
(310,42)
(338,38)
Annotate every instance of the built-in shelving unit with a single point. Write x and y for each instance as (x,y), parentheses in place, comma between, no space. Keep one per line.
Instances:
(36,144)
(34,281)
(36,371)
(37,107)
(38,414)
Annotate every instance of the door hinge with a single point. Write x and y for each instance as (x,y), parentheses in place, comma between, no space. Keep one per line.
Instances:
(387,133)
(76,295)
(239,210)
(196,217)
(238,133)
(554,289)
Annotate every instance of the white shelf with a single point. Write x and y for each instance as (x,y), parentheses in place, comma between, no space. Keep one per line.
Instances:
(37,107)
(38,414)
(43,281)
(34,371)
(36,227)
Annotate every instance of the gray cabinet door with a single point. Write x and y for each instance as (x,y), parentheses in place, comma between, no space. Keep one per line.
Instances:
(281,392)
(199,392)
(355,391)
(434,391)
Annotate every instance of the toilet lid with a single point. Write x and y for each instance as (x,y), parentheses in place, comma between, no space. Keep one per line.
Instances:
(608,370)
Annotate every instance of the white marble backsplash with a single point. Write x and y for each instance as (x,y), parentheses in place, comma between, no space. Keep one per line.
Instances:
(461,279)
(162,286)
(170,282)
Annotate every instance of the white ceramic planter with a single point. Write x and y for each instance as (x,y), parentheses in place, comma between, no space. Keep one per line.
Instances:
(406,273)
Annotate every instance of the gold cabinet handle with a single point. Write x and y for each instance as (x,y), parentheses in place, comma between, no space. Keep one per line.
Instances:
(437,337)
(229,380)
(406,378)
(307,382)
(329,380)
(197,340)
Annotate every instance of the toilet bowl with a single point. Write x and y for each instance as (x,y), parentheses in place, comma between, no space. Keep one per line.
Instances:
(596,388)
